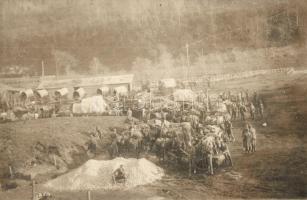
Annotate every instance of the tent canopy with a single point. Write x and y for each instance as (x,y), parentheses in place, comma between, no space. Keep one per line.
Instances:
(61,92)
(79,93)
(168,83)
(184,95)
(122,90)
(103,90)
(95,104)
(27,94)
(41,93)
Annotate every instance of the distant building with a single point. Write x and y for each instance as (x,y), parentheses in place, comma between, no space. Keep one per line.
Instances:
(90,84)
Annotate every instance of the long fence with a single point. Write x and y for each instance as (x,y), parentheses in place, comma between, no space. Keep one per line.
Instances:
(247,74)
(231,76)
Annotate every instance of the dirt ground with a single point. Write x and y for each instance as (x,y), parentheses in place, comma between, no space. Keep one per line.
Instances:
(278,169)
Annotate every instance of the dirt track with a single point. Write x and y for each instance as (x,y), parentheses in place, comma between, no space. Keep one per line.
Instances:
(278,169)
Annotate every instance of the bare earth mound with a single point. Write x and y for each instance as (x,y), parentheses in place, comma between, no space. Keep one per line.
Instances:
(97,174)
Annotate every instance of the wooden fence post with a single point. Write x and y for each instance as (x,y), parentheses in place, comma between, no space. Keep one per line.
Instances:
(33,190)
(11,172)
(88,195)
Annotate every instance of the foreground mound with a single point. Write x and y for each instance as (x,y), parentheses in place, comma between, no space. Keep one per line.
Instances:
(97,174)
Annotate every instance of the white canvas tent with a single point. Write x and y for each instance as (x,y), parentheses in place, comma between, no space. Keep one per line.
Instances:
(90,105)
(41,93)
(184,95)
(168,83)
(103,90)
(121,90)
(26,94)
(79,93)
(61,92)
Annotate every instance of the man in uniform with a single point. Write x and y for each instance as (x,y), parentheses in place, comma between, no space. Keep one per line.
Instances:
(252,110)
(261,108)
(115,96)
(228,129)
(253,137)
(119,175)
(164,127)
(143,117)
(246,95)
(255,101)
(162,114)
(245,137)
(255,98)
(129,114)
(148,113)
(226,152)
(242,111)
(234,111)
(114,147)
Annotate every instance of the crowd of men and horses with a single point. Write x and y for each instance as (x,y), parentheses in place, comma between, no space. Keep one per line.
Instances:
(195,137)
(194,134)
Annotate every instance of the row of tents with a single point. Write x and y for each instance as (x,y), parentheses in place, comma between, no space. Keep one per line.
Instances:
(77,94)
(12,101)
(42,93)
(13,98)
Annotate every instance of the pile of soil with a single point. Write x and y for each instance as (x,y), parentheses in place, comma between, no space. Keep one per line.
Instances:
(97,174)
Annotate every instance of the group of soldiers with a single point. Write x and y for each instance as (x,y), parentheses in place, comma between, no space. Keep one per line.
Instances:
(242,104)
(249,138)
(237,110)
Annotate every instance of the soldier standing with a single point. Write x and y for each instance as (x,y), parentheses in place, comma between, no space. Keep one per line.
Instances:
(246,95)
(143,117)
(245,135)
(234,111)
(113,147)
(261,108)
(228,129)
(252,110)
(242,111)
(253,137)
(129,114)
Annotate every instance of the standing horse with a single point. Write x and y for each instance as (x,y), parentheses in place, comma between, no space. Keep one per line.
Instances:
(162,146)
(208,147)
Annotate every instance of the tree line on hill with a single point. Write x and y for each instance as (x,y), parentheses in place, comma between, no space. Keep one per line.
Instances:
(90,37)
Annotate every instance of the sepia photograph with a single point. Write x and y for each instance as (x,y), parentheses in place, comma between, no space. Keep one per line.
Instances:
(153,99)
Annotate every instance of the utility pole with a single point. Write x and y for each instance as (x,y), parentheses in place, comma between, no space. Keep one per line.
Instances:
(297,16)
(188,60)
(56,69)
(33,190)
(43,69)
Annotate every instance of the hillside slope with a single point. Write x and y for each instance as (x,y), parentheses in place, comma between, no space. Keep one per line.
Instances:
(31,147)
(32,30)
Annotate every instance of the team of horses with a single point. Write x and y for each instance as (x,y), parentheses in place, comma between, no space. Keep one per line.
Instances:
(186,140)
